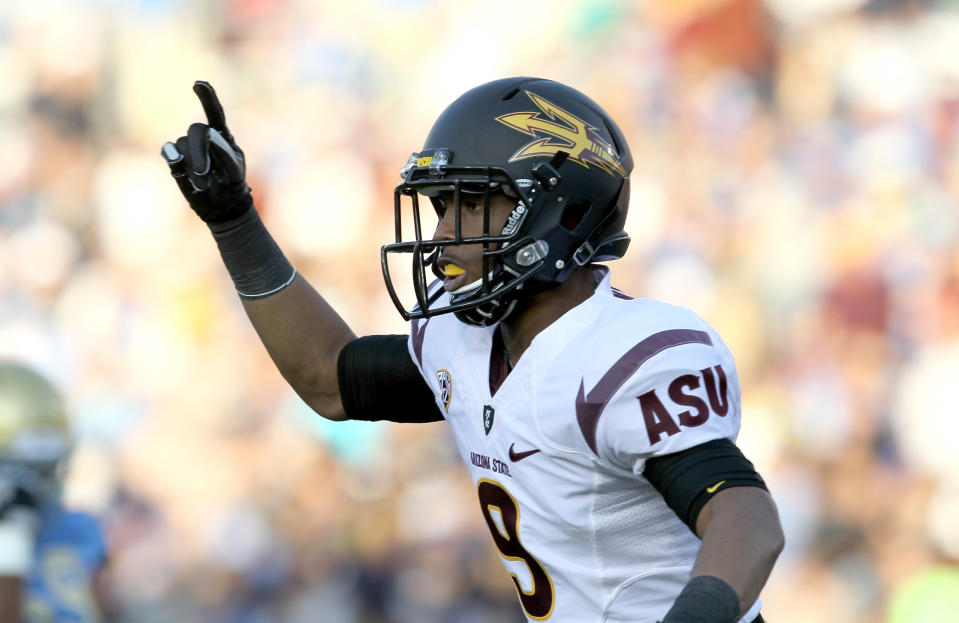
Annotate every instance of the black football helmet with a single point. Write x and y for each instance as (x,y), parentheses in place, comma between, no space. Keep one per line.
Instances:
(549,148)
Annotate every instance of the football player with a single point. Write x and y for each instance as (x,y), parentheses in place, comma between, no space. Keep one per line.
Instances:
(50,558)
(599,429)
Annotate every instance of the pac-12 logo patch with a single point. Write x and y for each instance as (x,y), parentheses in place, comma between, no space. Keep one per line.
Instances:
(488,413)
(446,388)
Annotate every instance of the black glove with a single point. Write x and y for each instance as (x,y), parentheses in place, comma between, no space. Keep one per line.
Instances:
(208,166)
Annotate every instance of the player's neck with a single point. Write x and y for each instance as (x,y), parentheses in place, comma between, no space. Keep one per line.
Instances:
(541,310)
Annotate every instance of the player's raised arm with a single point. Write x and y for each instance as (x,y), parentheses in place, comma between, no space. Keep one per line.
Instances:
(301,332)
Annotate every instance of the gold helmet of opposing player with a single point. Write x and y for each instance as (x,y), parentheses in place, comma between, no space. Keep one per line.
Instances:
(33,423)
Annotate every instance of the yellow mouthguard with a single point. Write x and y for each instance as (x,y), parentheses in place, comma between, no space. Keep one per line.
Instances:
(452,270)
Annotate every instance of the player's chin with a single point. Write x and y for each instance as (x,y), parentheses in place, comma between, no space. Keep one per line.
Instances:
(450,284)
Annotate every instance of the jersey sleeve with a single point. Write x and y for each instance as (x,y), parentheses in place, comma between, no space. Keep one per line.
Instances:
(438,383)
(79,532)
(683,395)
(93,540)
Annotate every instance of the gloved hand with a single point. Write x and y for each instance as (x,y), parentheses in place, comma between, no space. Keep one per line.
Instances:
(208,166)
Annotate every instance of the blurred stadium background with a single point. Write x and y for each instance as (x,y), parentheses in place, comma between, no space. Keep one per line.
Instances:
(796,182)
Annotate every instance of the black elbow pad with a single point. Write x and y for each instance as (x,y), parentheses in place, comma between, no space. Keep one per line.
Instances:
(379,381)
(688,479)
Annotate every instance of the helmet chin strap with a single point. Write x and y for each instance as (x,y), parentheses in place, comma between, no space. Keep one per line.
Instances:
(487,314)
(471,286)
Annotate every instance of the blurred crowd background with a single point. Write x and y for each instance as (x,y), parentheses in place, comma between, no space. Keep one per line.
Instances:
(797,168)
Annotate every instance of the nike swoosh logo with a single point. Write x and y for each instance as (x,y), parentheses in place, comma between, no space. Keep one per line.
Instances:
(713,488)
(515,456)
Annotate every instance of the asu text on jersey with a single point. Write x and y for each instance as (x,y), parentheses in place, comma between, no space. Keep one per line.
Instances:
(557,452)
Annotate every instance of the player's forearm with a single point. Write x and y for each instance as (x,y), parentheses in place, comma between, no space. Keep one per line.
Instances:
(302,333)
(742,538)
(11,591)
(303,336)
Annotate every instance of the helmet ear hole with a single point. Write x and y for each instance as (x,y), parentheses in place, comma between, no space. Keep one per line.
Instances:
(573,215)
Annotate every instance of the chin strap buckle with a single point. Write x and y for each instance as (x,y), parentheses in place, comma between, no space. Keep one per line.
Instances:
(583,254)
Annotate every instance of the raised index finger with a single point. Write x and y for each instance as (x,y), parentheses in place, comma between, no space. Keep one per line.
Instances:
(211,105)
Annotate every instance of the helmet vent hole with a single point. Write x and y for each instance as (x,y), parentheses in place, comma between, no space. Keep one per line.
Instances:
(511,94)
(573,215)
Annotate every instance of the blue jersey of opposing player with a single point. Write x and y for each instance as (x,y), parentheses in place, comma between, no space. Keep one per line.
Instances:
(70,549)
(49,556)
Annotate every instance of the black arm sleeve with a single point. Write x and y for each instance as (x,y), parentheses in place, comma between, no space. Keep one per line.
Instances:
(379,381)
(688,479)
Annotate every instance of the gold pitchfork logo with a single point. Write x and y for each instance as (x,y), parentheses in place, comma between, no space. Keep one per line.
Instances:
(556,129)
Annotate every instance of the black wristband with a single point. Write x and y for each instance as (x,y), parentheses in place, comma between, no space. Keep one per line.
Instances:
(254,260)
(705,599)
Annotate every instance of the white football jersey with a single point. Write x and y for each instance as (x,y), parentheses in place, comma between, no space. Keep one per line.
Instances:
(557,453)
